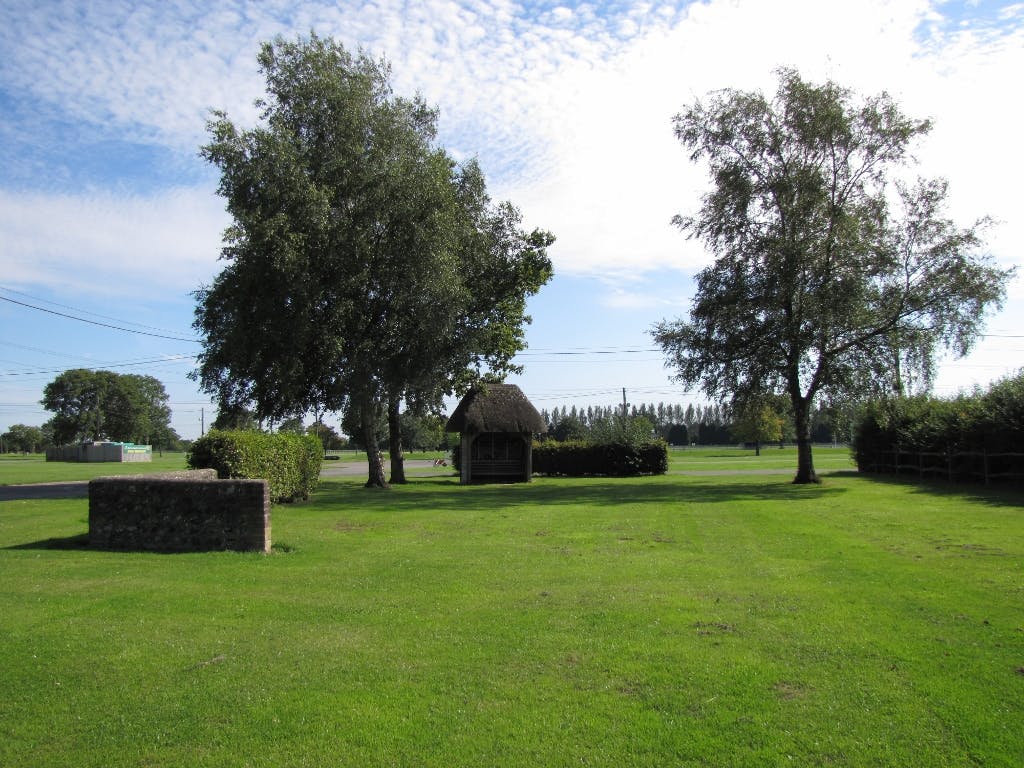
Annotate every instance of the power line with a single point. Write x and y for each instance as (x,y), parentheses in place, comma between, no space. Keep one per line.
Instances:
(101,366)
(95,322)
(586,351)
(81,311)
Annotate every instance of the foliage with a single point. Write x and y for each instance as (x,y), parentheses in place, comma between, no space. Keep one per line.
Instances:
(21,438)
(677,434)
(235,417)
(290,463)
(293,424)
(95,405)
(831,277)
(364,265)
(990,421)
(617,459)
(758,422)
(423,433)
(569,428)
(328,436)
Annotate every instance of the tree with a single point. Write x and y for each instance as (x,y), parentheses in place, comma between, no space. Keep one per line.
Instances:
(292,424)
(21,438)
(757,423)
(91,405)
(831,275)
(329,437)
(677,434)
(231,416)
(425,433)
(569,428)
(364,266)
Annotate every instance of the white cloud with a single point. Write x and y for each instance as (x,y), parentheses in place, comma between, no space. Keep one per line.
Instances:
(106,244)
(569,112)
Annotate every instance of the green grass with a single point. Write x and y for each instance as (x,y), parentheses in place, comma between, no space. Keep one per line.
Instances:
(725,459)
(676,620)
(16,469)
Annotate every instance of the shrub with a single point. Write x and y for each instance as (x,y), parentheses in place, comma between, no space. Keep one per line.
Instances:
(989,422)
(578,459)
(290,463)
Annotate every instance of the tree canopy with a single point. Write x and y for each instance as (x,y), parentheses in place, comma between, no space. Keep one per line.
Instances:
(832,274)
(94,405)
(363,265)
(22,438)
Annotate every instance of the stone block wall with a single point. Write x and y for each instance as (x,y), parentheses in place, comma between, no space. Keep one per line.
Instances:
(188,511)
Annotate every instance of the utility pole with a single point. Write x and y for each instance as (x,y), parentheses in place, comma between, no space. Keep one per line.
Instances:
(625,405)
(202,421)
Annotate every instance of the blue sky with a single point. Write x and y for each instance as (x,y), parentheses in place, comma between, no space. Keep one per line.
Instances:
(108,214)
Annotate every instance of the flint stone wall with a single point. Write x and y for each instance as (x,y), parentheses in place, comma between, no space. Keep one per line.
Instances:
(190,511)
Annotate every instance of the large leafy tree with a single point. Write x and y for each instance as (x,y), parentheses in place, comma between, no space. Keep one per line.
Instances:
(832,274)
(90,405)
(364,266)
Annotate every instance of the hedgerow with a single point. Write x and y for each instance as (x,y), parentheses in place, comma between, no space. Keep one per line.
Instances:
(989,422)
(578,459)
(290,463)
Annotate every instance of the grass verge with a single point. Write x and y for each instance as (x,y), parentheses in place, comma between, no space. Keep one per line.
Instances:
(18,470)
(674,620)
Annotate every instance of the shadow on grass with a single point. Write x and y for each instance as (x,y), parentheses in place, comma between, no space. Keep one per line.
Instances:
(79,541)
(1001,495)
(596,492)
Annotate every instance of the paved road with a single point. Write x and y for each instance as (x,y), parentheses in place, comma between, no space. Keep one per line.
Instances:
(76,489)
(417,467)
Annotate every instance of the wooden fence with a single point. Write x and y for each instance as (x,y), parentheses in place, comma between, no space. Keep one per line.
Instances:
(956,466)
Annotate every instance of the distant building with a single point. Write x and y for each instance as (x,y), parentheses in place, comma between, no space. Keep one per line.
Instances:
(117,452)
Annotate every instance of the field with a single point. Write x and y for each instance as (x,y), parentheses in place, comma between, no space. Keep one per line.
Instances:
(690,619)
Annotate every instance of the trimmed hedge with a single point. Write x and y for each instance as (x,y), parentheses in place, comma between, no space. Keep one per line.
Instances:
(985,422)
(289,463)
(579,459)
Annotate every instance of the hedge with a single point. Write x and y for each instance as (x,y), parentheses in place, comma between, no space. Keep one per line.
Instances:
(578,459)
(989,422)
(290,463)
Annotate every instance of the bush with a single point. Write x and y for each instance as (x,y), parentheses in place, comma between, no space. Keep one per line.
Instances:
(290,463)
(989,422)
(579,459)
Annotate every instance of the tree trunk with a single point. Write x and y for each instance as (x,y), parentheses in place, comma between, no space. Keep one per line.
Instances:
(395,443)
(374,460)
(757,447)
(804,462)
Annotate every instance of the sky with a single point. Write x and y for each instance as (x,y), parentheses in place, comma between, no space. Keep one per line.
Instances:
(109,218)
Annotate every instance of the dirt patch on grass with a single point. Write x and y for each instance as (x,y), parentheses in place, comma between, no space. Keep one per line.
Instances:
(713,628)
(789,691)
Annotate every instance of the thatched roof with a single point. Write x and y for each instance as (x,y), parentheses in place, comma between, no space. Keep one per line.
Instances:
(496,408)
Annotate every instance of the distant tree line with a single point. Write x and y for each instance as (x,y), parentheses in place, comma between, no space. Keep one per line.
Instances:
(699,424)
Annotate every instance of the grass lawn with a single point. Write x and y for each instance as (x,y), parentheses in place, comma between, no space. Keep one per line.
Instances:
(34,468)
(678,620)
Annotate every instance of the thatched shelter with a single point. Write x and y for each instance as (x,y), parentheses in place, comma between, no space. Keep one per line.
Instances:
(497,424)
